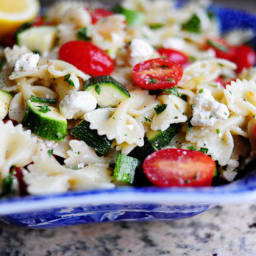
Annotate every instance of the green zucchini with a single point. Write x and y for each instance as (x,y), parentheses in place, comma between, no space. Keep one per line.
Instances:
(133,18)
(125,169)
(45,121)
(155,140)
(161,139)
(40,39)
(107,91)
(83,132)
(5,101)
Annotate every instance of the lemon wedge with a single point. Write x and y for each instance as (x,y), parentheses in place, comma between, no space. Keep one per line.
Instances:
(13,13)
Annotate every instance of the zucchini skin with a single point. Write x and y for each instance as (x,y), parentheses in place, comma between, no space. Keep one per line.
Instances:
(101,80)
(83,132)
(125,168)
(41,127)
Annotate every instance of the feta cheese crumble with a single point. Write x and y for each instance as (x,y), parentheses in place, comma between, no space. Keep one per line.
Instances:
(141,51)
(27,62)
(206,110)
(77,103)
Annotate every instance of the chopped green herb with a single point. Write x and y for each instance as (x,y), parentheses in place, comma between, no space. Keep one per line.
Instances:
(77,167)
(230,92)
(147,119)
(42,100)
(36,52)
(155,26)
(193,25)
(170,80)
(50,152)
(192,106)
(78,152)
(192,59)
(191,148)
(44,109)
(97,89)
(189,125)
(214,85)
(2,63)
(221,65)
(7,184)
(82,34)
(218,45)
(204,150)
(218,131)
(68,80)
(201,90)
(210,15)
(70,148)
(160,108)
(152,81)
(187,181)
(173,91)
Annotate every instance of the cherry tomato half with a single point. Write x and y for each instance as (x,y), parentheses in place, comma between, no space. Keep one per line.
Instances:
(99,14)
(173,55)
(87,57)
(39,21)
(222,49)
(179,168)
(245,57)
(157,74)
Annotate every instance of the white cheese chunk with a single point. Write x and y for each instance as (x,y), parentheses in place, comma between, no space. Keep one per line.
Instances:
(76,104)
(174,43)
(141,51)
(206,110)
(27,62)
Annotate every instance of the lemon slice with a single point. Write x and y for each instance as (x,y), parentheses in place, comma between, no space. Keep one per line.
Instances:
(13,13)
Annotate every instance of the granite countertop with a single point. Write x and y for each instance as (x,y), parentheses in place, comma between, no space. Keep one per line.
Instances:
(222,231)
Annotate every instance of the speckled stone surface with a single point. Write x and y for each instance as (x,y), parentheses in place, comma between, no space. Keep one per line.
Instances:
(222,231)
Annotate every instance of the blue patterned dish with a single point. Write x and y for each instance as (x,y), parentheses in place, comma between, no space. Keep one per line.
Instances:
(131,204)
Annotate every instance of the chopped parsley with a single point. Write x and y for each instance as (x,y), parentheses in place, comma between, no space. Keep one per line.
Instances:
(204,150)
(221,65)
(7,184)
(82,34)
(97,89)
(36,52)
(218,45)
(192,59)
(192,106)
(218,131)
(42,100)
(156,26)
(44,109)
(50,152)
(2,63)
(68,80)
(152,81)
(189,125)
(173,91)
(193,25)
(171,80)
(191,148)
(147,119)
(201,90)
(210,15)
(160,108)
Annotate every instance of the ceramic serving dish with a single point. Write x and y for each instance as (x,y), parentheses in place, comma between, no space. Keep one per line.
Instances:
(132,204)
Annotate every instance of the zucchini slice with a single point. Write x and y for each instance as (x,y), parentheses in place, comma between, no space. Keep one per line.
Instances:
(155,140)
(161,139)
(83,132)
(40,39)
(133,18)
(5,101)
(45,121)
(107,91)
(125,168)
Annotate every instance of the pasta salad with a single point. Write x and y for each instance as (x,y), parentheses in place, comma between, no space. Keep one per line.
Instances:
(96,98)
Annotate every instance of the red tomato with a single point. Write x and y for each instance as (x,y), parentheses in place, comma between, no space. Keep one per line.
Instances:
(39,21)
(99,14)
(222,49)
(173,55)
(245,57)
(87,57)
(221,81)
(157,74)
(179,168)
